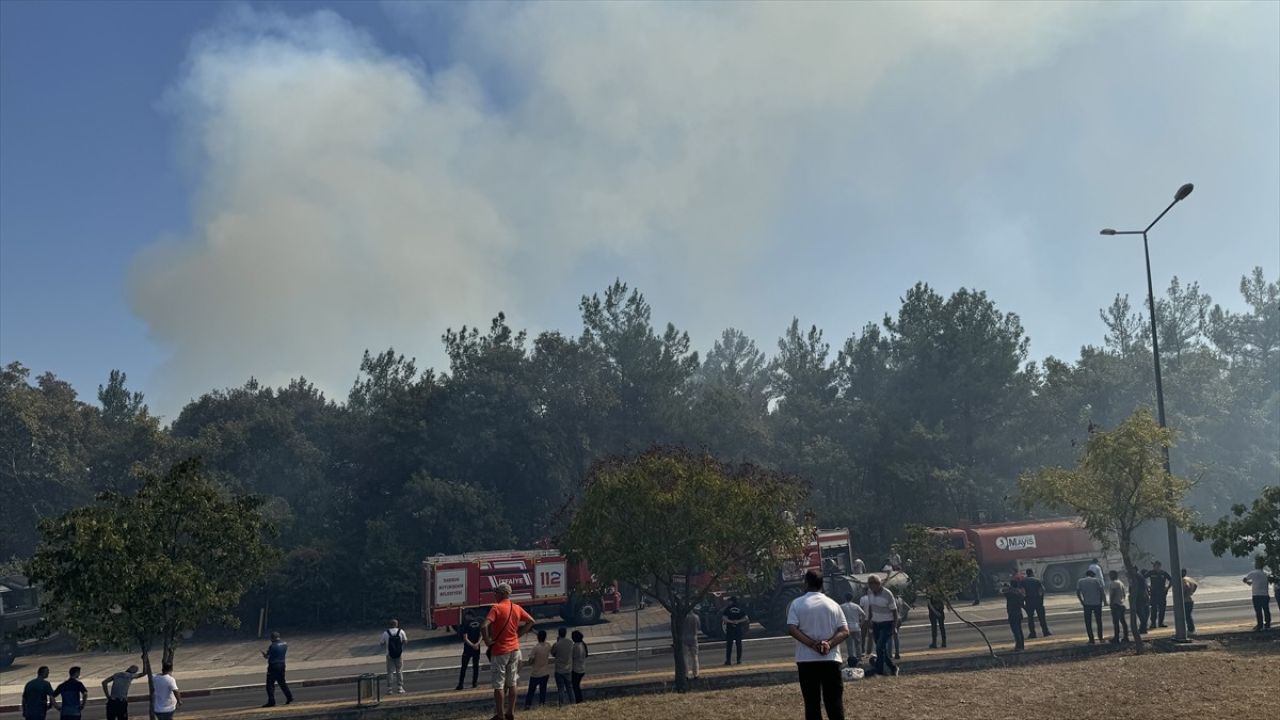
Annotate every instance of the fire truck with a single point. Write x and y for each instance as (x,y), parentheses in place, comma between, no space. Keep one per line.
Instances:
(1059,551)
(546,583)
(830,551)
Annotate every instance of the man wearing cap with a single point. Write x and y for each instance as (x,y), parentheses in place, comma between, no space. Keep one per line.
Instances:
(502,630)
(118,692)
(274,655)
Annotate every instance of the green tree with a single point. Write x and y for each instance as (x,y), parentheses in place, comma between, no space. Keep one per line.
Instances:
(1249,530)
(137,571)
(940,571)
(677,524)
(1118,485)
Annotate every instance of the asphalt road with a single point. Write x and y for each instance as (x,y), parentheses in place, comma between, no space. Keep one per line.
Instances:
(757,650)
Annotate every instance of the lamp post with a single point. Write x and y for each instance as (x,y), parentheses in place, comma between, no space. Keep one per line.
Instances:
(1175,563)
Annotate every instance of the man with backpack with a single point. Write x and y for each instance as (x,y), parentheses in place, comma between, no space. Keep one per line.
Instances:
(1035,604)
(394,640)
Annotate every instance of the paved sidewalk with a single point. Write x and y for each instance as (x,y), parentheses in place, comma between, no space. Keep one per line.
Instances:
(239,661)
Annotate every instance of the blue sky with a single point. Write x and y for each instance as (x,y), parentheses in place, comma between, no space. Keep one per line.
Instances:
(198,192)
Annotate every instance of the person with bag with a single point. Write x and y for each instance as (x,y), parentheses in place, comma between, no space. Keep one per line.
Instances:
(394,640)
(505,624)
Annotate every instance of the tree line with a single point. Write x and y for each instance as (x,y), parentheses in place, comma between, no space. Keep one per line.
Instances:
(927,417)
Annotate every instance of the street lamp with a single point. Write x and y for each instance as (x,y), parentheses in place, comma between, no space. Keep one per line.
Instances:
(1175,563)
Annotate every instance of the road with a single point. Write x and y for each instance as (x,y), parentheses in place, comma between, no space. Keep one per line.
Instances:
(757,651)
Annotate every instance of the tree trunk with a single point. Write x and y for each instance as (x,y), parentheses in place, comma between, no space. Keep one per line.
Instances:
(1130,574)
(145,646)
(966,621)
(677,647)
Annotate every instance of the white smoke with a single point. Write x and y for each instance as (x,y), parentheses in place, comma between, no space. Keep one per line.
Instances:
(348,198)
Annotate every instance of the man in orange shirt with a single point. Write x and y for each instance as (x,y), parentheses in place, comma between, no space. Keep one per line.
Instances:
(502,630)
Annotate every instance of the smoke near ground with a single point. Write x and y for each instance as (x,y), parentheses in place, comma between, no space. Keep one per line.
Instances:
(347,197)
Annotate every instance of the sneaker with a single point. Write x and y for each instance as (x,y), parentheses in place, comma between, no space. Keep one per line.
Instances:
(1092,641)
(288,701)
(933,646)
(944,644)
(270,704)
(897,656)
(460,687)
(1047,633)
(1032,636)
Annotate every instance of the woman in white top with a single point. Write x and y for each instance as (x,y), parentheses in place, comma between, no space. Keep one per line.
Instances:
(540,672)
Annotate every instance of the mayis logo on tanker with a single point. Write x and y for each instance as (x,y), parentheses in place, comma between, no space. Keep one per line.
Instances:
(1014,543)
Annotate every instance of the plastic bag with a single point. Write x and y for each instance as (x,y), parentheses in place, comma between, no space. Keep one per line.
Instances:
(852,673)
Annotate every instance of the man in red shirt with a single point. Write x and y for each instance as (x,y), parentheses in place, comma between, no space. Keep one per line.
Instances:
(502,630)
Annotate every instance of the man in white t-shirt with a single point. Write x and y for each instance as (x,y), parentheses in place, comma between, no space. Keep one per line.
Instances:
(854,618)
(881,609)
(1258,583)
(818,626)
(167,697)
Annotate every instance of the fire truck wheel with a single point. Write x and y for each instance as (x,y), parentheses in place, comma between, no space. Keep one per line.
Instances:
(8,653)
(587,612)
(776,619)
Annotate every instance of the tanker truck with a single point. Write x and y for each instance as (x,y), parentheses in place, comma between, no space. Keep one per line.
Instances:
(1058,550)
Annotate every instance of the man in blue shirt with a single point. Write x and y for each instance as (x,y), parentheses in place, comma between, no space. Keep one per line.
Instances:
(274,654)
(37,696)
(73,695)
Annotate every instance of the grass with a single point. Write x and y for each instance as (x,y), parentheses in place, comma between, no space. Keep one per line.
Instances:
(1170,686)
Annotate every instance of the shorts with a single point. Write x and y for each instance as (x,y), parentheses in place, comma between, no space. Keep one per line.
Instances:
(506,670)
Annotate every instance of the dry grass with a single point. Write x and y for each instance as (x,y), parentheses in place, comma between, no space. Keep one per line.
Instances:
(1177,686)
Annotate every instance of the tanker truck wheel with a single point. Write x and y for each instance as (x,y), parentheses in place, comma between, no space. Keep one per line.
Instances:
(775,620)
(1057,578)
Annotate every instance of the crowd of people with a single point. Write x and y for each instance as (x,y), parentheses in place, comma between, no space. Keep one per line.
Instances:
(71,696)
(869,625)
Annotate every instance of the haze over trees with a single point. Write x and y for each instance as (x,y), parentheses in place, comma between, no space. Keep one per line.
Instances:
(927,417)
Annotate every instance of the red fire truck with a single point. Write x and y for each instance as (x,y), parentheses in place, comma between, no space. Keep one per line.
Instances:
(1058,550)
(545,583)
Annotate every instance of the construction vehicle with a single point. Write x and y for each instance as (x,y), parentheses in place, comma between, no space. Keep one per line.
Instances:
(767,603)
(1058,550)
(546,583)
(19,615)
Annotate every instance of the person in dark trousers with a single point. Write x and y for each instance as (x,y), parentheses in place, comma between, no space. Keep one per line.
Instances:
(71,695)
(37,695)
(116,688)
(1141,600)
(818,626)
(470,652)
(1035,604)
(562,653)
(1014,600)
(580,653)
(937,621)
(1259,583)
(1116,597)
(1092,595)
(1160,582)
(881,609)
(1189,587)
(735,622)
(274,654)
